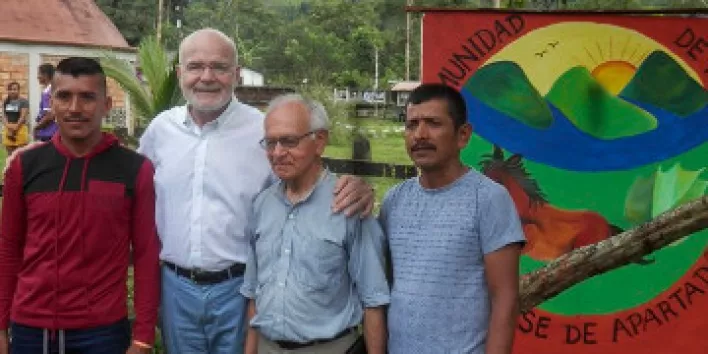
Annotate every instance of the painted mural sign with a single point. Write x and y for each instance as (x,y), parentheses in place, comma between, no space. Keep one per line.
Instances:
(595,124)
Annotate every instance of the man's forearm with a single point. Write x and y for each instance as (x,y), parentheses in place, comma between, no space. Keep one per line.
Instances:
(251,345)
(502,325)
(46,119)
(146,249)
(375,333)
(23,117)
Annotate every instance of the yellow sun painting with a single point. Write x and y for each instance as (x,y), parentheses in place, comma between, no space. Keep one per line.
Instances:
(610,53)
(614,75)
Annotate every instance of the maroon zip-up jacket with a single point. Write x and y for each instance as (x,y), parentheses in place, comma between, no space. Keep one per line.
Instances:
(68,225)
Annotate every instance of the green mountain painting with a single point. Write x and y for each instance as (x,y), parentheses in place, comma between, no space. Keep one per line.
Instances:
(594,110)
(504,87)
(661,82)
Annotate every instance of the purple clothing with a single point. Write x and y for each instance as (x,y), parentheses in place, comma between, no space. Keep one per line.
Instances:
(45,133)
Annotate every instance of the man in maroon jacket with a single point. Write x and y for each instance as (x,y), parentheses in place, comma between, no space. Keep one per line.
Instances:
(73,208)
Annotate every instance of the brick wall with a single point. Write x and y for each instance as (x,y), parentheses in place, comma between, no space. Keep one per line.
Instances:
(14,67)
(114,89)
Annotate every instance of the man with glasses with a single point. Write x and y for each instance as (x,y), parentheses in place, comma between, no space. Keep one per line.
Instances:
(208,170)
(311,274)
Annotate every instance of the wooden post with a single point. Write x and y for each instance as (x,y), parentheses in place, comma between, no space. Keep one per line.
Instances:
(408,42)
(160,6)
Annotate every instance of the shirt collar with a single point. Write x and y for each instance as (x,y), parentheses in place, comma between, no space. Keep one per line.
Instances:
(220,120)
(280,191)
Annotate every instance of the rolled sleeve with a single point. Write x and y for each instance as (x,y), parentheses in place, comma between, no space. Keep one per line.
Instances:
(250,277)
(248,289)
(366,262)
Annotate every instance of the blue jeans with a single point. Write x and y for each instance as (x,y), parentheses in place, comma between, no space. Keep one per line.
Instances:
(202,319)
(110,339)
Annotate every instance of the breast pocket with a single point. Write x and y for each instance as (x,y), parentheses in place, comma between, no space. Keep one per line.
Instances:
(323,261)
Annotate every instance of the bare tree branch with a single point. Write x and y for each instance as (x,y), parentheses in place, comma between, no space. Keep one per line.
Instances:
(630,246)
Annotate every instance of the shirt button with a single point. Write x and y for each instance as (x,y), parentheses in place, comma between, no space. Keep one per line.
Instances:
(291,216)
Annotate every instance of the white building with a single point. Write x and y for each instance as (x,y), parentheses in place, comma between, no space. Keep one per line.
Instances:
(251,78)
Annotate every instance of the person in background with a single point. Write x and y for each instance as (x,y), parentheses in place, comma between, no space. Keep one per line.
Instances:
(45,126)
(15,108)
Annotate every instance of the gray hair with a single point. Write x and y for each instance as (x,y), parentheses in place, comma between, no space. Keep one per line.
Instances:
(318,115)
(207,31)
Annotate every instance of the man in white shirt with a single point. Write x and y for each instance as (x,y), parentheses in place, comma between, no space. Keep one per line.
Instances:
(208,169)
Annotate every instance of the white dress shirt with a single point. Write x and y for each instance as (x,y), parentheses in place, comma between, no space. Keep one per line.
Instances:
(205,182)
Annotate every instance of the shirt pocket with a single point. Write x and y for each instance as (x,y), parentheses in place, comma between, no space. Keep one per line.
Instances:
(322,261)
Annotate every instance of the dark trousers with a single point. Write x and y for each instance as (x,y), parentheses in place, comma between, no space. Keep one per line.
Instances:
(110,339)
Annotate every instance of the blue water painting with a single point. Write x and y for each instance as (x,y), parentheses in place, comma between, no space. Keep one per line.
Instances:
(563,145)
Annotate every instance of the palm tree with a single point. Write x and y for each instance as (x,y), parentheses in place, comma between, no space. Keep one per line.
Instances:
(155,90)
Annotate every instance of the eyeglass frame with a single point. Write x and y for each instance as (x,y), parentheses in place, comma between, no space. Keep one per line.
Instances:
(279,141)
(214,67)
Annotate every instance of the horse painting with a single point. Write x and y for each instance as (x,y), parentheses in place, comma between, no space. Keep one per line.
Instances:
(550,231)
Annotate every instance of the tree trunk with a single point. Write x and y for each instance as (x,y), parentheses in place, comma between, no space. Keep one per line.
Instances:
(632,245)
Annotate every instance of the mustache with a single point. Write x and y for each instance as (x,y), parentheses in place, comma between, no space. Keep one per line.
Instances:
(207,88)
(75,117)
(423,146)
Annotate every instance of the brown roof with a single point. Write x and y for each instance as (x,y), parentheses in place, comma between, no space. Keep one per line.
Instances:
(66,22)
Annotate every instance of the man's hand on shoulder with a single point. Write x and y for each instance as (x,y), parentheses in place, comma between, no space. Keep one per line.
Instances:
(4,342)
(353,195)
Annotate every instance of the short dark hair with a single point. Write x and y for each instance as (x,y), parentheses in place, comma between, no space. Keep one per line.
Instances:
(47,70)
(81,66)
(455,102)
(14,83)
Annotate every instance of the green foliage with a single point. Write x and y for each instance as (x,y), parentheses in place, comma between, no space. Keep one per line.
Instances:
(662,191)
(160,90)
(135,19)
(326,42)
(338,112)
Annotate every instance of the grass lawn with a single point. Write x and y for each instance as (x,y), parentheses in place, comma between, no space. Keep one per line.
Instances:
(387,145)
(3,155)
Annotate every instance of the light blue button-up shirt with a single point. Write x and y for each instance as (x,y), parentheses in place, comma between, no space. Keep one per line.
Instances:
(311,271)
(205,182)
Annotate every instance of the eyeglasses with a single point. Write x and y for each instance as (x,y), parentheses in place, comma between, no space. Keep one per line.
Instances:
(198,68)
(287,142)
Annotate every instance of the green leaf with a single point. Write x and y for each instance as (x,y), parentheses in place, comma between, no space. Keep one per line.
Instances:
(159,92)
(676,186)
(639,200)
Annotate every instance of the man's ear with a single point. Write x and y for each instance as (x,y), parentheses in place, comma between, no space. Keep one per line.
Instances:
(321,139)
(109,104)
(464,132)
(237,76)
